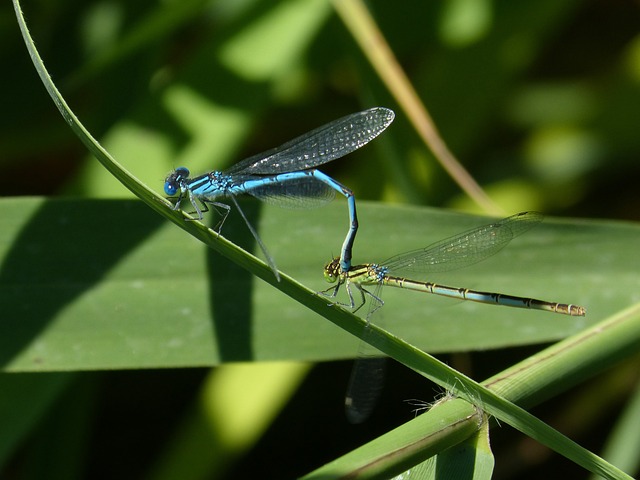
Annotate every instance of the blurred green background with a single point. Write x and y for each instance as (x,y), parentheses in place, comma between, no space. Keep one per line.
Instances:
(538,100)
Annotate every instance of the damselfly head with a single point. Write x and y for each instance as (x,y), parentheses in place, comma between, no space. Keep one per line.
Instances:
(332,270)
(173,181)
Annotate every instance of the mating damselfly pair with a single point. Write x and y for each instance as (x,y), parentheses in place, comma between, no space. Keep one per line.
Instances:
(287,176)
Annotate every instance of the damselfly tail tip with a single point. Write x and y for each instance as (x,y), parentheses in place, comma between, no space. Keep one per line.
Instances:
(577,311)
(569,309)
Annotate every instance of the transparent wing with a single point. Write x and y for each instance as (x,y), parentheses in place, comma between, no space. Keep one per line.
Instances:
(464,249)
(319,146)
(365,384)
(299,193)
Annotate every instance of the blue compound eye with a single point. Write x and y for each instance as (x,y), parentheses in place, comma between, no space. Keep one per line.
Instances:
(170,188)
